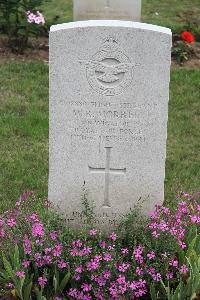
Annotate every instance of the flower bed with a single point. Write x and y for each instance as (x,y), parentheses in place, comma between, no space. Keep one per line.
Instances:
(41,258)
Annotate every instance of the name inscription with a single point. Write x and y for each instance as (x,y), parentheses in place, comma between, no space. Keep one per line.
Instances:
(110,121)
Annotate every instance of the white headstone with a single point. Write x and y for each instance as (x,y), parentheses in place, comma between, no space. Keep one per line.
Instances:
(109,84)
(107,9)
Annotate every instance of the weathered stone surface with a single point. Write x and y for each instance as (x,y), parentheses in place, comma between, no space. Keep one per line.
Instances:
(109,83)
(107,9)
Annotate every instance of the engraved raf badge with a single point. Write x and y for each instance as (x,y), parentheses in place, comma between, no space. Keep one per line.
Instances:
(109,72)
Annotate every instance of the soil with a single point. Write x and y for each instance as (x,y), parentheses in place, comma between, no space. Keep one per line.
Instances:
(38,50)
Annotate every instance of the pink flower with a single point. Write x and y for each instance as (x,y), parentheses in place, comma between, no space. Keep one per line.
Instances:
(47,250)
(173,263)
(151,255)
(86,287)
(85,251)
(173,231)
(57,250)
(151,271)
(74,252)
(40,18)
(153,215)
(42,281)
(155,234)
(121,279)
(92,265)
(194,219)
(10,285)
(139,271)
(2,233)
(37,18)
(182,244)
(157,277)
(20,274)
(92,232)
(38,230)
(79,269)
(107,257)
(11,222)
(133,285)
(163,226)
(106,274)
(185,195)
(183,269)
(169,275)
(113,236)
(123,267)
(72,292)
(53,235)
(26,263)
(102,244)
(77,277)
(111,247)
(62,264)
(47,259)
(124,251)
(77,243)
(39,242)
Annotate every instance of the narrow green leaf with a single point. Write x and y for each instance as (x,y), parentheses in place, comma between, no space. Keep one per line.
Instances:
(27,291)
(64,282)
(153,292)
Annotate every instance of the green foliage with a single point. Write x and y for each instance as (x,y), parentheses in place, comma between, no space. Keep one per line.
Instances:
(11,264)
(59,284)
(191,21)
(13,21)
(87,209)
(189,284)
(182,51)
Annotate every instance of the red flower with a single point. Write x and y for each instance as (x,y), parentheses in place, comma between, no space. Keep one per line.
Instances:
(188,37)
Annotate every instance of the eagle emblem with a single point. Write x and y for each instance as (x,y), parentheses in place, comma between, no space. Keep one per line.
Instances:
(109,71)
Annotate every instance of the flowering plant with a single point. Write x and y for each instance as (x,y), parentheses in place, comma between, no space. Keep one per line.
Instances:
(188,37)
(13,19)
(49,261)
(36,18)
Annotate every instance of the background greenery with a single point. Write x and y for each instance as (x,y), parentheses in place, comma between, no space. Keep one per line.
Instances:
(24,114)
(160,12)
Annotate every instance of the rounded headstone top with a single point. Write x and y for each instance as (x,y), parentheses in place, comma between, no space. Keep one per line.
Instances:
(110,23)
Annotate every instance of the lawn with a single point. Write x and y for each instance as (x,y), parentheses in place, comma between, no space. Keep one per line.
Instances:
(160,12)
(24,131)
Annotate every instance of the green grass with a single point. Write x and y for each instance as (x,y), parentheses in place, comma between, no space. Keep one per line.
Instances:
(24,131)
(168,11)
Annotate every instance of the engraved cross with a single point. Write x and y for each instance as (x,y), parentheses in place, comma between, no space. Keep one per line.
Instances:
(107,171)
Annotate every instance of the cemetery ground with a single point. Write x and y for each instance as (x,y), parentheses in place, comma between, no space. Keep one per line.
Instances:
(170,13)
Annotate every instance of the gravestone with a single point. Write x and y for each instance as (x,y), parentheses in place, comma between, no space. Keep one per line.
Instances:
(107,9)
(109,85)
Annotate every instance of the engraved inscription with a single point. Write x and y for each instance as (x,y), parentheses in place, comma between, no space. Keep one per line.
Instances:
(110,71)
(107,170)
(109,121)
